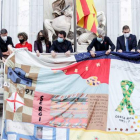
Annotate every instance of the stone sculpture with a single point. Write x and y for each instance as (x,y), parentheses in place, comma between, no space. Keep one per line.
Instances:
(63,13)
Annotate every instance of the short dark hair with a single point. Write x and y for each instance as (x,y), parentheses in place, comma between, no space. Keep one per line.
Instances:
(62,33)
(24,35)
(3,31)
(125,27)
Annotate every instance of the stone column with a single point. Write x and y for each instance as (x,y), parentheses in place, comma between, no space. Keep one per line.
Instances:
(126,13)
(23,16)
(36,19)
(113,19)
(10,18)
(0,13)
(136,17)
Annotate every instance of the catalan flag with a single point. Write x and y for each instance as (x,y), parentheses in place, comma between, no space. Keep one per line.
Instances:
(87,15)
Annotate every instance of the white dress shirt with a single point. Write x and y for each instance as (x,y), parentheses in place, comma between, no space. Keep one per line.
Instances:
(43,46)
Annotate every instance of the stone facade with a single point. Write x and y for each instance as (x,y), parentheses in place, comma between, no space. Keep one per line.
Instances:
(135,5)
(35,11)
(100,6)
(113,19)
(23,15)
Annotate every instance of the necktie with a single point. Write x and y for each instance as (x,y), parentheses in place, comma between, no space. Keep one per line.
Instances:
(127,45)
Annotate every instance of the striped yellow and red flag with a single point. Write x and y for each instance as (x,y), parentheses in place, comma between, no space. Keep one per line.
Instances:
(87,15)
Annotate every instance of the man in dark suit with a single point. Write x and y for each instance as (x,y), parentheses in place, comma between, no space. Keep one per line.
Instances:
(5,41)
(127,42)
(101,43)
(138,48)
(61,45)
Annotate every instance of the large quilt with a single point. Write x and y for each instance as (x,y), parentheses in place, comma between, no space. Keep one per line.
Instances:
(72,98)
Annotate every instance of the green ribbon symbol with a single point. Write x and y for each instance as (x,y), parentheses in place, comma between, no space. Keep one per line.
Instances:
(126,99)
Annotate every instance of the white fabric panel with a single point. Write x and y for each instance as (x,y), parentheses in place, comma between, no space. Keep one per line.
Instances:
(46,60)
(61,134)
(121,70)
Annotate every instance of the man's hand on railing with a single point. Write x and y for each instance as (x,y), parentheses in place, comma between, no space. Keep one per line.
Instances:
(108,52)
(10,49)
(133,50)
(67,53)
(37,53)
(53,54)
(3,59)
(6,53)
(93,54)
(120,51)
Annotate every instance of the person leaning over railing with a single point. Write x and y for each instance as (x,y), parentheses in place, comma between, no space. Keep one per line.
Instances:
(23,37)
(101,43)
(61,45)
(5,42)
(42,43)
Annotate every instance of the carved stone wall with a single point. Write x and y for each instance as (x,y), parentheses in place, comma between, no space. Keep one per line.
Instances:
(100,6)
(136,17)
(23,15)
(113,19)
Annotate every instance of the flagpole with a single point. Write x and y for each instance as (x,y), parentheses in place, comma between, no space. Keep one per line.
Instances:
(75,26)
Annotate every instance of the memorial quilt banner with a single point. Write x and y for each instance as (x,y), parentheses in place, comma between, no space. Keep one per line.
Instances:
(72,98)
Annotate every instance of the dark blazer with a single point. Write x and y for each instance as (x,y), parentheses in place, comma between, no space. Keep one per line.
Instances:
(138,45)
(101,46)
(4,45)
(132,40)
(61,47)
(38,46)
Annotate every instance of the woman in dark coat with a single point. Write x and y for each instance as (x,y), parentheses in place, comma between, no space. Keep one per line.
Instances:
(42,44)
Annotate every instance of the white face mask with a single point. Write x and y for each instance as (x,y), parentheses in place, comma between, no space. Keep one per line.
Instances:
(4,38)
(99,39)
(126,35)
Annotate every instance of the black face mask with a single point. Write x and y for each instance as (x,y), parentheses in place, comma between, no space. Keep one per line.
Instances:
(42,38)
(21,41)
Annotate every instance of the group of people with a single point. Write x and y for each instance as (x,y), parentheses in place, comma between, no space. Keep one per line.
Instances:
(41,45)
(125,43)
